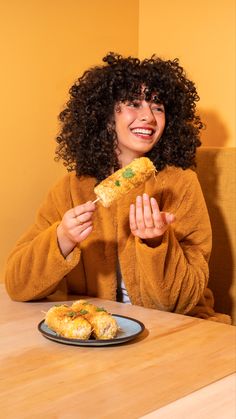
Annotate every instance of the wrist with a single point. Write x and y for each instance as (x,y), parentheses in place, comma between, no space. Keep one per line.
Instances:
(65,244)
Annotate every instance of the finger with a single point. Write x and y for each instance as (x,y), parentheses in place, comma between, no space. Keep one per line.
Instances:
(170,218)
(77,233)
(85,233)
(132,220)
(139,213)
(82,226)
(83,213)
(167,217)
(147,212)
(83,218)
(156,215)
(80,209)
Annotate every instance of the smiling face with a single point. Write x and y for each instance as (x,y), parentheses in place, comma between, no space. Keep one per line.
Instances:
(139,124)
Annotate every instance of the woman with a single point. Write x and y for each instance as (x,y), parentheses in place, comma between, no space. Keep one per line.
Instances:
(150,248)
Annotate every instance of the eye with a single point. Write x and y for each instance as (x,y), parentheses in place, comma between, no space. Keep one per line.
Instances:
(133,104)
(158,108)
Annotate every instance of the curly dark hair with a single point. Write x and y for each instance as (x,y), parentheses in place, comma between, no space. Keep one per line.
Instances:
(87,142)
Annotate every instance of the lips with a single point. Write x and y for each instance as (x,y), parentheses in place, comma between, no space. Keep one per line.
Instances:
(143,132)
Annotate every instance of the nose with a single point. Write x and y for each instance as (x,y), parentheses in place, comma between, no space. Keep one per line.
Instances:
(146,114)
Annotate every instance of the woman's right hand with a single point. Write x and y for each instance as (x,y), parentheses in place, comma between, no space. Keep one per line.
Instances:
(75,227)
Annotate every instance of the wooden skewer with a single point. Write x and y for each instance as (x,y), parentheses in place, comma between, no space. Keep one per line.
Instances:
(96,200)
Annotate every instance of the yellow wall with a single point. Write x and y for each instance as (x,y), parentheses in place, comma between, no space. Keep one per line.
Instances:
(46,44)
(202,35)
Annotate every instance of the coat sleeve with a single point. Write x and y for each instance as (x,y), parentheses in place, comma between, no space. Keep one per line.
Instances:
(36,266)
(174,275)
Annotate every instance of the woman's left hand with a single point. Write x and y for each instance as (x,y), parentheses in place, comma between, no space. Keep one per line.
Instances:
(146,220)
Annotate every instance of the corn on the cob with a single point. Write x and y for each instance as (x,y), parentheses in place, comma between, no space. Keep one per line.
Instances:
(123,180)
(104,326)
(68,323)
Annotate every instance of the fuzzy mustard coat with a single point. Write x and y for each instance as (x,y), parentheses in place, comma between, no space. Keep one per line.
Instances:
(172,276)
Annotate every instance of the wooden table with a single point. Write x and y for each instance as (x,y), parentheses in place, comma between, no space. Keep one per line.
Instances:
(179,364)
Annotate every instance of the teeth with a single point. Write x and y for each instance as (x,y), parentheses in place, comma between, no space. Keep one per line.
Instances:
(142,131)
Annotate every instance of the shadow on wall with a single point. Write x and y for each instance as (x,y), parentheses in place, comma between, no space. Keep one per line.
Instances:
(215,134)
(215,168)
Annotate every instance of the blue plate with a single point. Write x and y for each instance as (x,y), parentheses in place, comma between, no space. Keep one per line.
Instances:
(128,329)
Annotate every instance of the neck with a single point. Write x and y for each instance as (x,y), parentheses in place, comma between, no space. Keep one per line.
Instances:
(125,159)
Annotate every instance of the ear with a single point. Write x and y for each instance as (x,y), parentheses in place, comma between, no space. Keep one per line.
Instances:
(117,108)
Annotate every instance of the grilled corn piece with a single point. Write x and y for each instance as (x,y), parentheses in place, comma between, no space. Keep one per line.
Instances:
(104,326)
(68,323)
(123,180)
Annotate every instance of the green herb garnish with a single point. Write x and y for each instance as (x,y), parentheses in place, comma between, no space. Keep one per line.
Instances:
(83,312)
(71,313)
(128,173)
(100,309)
(117,183)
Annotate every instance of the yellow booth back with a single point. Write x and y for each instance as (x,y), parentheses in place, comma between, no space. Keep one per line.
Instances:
(216,168)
